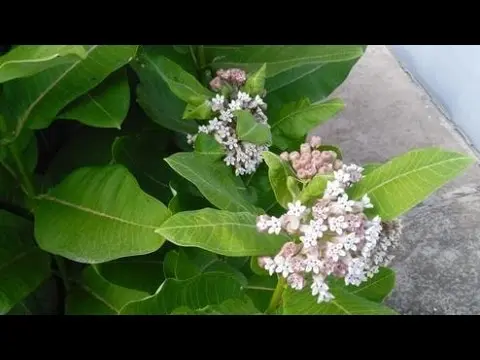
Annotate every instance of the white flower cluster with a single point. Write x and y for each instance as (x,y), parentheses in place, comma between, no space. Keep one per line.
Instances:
(335,239)
(244,156)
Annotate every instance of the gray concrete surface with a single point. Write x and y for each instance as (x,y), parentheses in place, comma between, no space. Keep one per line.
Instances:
(387,114)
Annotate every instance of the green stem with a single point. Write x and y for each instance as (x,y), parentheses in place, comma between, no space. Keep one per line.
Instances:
(201,57)
(22,173)
(63,271)
(277,296)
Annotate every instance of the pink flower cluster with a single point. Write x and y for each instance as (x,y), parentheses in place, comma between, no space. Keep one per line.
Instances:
(236,77)
(310,161)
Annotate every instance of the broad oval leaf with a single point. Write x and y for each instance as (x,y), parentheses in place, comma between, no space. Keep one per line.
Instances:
(98,214)
(255,83)
(106,106)
(303,303)
(375,289)
(296,120)
(23,266)
(213,179)
(206,144)
(221,232)
(27,60)
(242,306)
(94,295)
(278,58)
(249,129)
(403,182)
(35,101)
(194,293)
(198,112)
(278,172)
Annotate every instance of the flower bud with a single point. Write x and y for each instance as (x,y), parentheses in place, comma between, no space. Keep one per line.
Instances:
(291,223)
(316,154)
(296,281)
(305,149)
(317,163)
(289,249)
(284,156)
(216,83)
(262,261)
(315,141)
(327,155)
(302,174)
(305,158)
(337,165)
(296,165)
(294,155)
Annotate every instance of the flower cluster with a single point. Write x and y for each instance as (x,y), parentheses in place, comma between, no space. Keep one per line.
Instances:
(335,238)
(244,156)
(310,161)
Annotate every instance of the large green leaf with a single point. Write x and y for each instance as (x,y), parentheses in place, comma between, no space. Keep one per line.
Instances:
(35,101)
(221,232)
(195,293)
(153,93)
(243,306)
(106,106)
(295,120)
(404,181)
(375,289)
(99,214)
(27,60)
(345,303)
(213,179)
(278,58)
(143,273)
(249,129)
(96,296)
(278,172)
(23,266)
(143,156)
(260,289)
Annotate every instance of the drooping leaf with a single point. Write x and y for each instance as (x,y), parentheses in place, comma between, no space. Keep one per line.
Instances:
(278,58)
(143,156)
(213,179)
(206,144)
(375,289)
(404,181)
(96,296)
(143,273)
(303,303)
(249,129)
(106,106)
(221,232)
(198,112)
(98,214)
(35,101)
(195,293)
(255,83)
(278,172)
(314,189)
(23,266)
(27,60)
(295,120)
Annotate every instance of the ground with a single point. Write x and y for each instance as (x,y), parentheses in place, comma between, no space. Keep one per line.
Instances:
(387,113)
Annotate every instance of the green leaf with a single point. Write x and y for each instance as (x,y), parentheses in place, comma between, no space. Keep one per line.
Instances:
(375,289)
(27,60)
(403,182)
(183,84)
(206,144)
(243,306)
(249,129)
(198,112)
(23,266)
(314,189)
(153,93)
(49,91)
(213,179)
(256,269)
(260,183)
(260,289)
(96,296)
(292,186)
(106,106)
(98,214)
(221,232)
(368,168)
(194,293)
(278,58)
(170,264)
(255,83)
(295,120)
(303,303)
(143,273)
(142,154)
(278,172)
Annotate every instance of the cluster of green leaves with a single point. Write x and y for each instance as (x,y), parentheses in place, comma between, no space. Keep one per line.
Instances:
(100,191)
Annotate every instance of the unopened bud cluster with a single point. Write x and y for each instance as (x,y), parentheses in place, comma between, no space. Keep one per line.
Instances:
(335,238)
(244,156)
(311,161)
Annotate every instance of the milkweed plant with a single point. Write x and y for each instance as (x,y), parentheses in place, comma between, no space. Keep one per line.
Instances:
(184,180)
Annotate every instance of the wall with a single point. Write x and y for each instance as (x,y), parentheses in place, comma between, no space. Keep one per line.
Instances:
(451,75)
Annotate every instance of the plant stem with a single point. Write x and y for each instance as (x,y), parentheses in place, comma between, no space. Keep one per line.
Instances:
(277,296)
(201,57)
(63,271)
(22,173)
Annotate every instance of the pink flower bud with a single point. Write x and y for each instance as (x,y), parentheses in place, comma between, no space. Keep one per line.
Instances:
(237,76)
(328,167)
(315,141)
(302,174)
(296,281)
(296,165)
(305,149)
(316,154)
(216,83)
(224,74)
(321,170)
(294,155)
(317,163)
(337,165)
(291,223)
(262,261)
(289,249)
(327,155)
(284,156)
(305,158)
(310,169)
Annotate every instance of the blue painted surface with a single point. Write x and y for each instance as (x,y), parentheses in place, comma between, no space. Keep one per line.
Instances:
(451,75)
